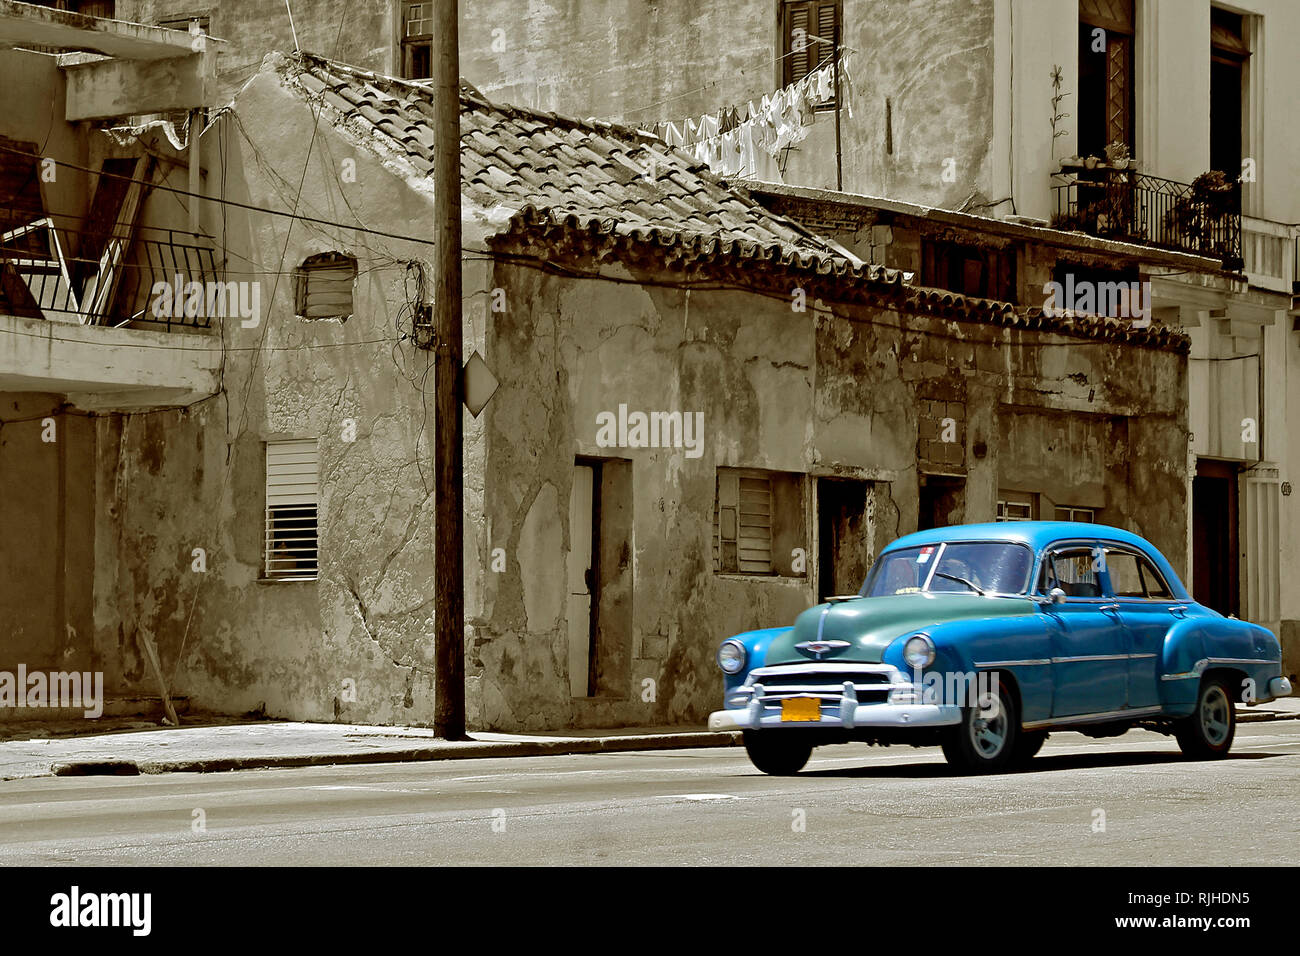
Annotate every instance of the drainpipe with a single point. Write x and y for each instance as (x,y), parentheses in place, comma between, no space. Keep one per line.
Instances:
(196,182)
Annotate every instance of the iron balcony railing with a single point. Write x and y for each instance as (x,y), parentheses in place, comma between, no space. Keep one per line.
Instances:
(66,269)
(1133,207)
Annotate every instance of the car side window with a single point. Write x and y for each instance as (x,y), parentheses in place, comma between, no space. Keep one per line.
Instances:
(1125,578)
(1154,581)
(1075,570)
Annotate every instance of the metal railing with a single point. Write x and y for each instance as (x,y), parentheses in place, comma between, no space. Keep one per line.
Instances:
(66,269)
(1133,207)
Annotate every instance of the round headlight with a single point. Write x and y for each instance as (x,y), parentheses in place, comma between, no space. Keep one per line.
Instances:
(918,651)
(731,657)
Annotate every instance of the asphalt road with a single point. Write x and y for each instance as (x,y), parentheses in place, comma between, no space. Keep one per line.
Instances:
(852,805)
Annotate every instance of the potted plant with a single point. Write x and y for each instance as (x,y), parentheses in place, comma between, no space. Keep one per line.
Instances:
(1198,218)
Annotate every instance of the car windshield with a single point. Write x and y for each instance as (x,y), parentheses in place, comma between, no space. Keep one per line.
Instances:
(1000,567)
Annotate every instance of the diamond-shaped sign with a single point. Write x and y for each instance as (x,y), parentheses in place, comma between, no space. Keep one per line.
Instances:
(478,383)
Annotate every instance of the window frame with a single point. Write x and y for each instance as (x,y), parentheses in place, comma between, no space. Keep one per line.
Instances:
(1089,20)
(1049,552)
(408,43)
(1004,498)
(785,72)
(940,549)
(1144,562)
(270,573)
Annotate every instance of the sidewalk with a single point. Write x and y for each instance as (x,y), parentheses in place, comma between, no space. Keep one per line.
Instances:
(134,746)
(127,746)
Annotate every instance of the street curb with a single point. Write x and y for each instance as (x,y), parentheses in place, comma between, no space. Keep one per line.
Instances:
(454,750)
(1249,718)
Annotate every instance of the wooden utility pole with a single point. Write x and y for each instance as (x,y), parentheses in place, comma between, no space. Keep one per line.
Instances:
(448,470)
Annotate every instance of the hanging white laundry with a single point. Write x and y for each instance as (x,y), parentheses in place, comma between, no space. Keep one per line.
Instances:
(673,135)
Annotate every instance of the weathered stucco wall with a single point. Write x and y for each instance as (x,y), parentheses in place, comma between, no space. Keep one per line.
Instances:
(927,63)
(832,391)
(921,120)
(195,478)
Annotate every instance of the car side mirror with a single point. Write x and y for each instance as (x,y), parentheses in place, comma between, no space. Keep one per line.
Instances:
(1056,596)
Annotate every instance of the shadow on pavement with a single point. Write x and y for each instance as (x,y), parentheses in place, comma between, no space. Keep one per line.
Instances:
(1047,764)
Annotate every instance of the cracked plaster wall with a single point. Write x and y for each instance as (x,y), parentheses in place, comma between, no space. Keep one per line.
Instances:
(824,393)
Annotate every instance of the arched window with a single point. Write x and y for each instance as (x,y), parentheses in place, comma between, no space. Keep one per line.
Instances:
(323,286)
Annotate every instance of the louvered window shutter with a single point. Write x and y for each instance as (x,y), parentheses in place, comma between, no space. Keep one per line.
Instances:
(324,286)
(292,471)
(796,44)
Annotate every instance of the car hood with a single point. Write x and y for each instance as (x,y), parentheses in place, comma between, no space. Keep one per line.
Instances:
(871,624)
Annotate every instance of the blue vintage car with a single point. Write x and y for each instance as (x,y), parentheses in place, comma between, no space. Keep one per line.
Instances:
(984,638)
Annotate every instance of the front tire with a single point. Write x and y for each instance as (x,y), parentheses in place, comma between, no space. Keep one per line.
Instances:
(984,742)
(778,753)
(1207,734)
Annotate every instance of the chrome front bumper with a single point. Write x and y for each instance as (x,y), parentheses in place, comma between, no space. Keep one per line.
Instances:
(837,686)
(862,715)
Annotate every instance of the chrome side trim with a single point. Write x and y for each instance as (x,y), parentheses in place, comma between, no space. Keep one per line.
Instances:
(1093,718)
(1025,663)
(1091,657)
(1199,667)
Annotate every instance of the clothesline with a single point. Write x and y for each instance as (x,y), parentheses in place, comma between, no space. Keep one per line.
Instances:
(748,145)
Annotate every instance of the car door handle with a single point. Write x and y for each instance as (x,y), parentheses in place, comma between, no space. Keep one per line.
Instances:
(1179,609)
(1109,607)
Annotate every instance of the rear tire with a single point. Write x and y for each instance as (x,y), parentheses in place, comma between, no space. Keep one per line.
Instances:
(778,753)
(1207,734)
(984,742)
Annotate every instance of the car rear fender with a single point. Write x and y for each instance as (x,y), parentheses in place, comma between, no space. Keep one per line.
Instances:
(1246,655)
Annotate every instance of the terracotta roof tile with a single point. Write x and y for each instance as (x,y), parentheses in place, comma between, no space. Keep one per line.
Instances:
(591,177)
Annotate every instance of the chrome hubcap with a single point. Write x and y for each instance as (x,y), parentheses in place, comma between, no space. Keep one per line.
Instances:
(1216,716)
(988,730)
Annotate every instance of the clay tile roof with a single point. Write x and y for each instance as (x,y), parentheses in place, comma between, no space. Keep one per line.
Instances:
(565,169)
(608,180)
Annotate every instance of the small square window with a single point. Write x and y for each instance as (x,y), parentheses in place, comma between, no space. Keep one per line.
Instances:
(323,286)
(1016,508)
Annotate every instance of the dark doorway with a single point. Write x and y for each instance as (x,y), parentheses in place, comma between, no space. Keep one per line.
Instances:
(1228,57)
(1215,555)
(942,501)
(844,535)
(600,578)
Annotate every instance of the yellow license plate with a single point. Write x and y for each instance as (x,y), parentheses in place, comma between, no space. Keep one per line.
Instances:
(801,708)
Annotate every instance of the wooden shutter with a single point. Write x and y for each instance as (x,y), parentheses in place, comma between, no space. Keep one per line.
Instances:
(324,286)
(798,23)
(754,536)
(817,19)
(292,472)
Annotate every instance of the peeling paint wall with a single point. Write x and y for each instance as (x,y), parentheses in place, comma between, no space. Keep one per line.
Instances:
(355,645)
(832,391)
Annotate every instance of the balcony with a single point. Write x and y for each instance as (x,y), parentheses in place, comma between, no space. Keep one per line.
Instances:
(79,315)
(71,271)
(1200,218)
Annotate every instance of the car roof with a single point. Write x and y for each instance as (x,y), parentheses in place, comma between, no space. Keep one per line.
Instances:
(1038,535)
(1035,534)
